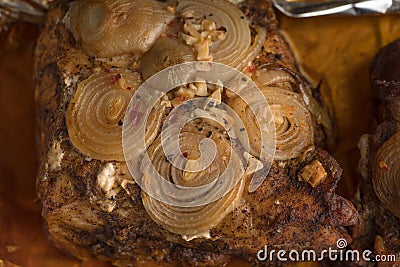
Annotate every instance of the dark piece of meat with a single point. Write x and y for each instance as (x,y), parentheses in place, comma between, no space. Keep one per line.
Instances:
(283,213)
(379,230)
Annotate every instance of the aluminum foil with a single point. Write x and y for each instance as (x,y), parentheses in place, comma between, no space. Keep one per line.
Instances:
(24,10)
(312,8)
(33,10)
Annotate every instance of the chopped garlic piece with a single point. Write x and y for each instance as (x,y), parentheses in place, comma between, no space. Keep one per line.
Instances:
(106,178)
(186,92)
(217,35)
(201,87)
(166,103)
(201,34)
(314,173)
(192,29)
(208,25)
(55,156)
(189,40)
(203,50)
(216,95)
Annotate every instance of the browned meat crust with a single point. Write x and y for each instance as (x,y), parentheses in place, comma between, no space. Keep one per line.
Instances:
(379,230)
(283,214)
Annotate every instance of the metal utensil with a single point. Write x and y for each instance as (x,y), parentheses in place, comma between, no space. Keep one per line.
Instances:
(303,9)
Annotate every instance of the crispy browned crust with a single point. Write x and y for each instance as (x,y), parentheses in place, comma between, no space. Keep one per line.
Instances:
(283,213)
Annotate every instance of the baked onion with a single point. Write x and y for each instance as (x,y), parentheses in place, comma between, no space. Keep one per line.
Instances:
(96,112)
(188,216)
(166,52)
(107,28)
(386,174)
(274,75)
(293,124)
(236,48)
(185,85)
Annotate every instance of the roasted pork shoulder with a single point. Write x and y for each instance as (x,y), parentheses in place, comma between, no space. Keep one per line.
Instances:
(91,56)
(379,192)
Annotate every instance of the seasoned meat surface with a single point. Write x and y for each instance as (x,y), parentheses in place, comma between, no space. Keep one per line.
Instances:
(379,230)
(81,219)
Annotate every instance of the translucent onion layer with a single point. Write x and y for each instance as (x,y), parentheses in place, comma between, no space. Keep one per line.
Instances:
(108,28)
(196,220)
(95,114)
(293,124)
(386,174)
(236,50)
(274,75)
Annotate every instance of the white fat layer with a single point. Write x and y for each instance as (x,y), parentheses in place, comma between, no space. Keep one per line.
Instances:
(205,235)
(106,178)
(55,156)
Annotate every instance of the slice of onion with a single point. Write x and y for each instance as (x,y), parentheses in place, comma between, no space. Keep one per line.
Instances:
(197,219)
(109,28)
(95,114)
(236,50)
(275,75)
(253,50)
(166,52)
(386,174)
(293,124)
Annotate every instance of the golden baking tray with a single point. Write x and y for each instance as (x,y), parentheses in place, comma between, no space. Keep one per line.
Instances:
(335,53)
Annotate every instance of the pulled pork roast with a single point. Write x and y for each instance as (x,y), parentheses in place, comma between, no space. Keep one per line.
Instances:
(89,51)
